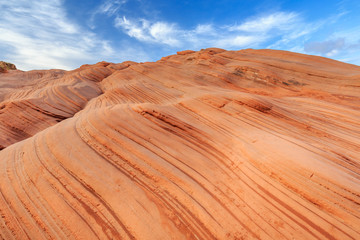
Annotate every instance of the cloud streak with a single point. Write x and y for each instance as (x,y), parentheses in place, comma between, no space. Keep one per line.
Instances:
(276,30)
(282,21)
(110,7)
(250,33)
(37,34)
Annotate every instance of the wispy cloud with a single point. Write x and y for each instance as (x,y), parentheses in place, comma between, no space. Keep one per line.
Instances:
(239,41)
(144,30)
(110,7)
(282,21)
(249,33)
(37,34)
(276,30)
(40,34)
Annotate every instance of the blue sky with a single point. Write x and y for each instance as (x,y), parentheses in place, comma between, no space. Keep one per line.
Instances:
(43,34)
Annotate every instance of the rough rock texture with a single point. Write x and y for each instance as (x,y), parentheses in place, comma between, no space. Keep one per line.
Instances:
(251,144)
(5,66)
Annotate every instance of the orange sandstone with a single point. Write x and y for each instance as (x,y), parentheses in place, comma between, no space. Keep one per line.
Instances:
(250,144)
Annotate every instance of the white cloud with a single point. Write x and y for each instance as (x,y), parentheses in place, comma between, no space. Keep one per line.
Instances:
(251,33)
(110,7)
(352,35)
(296,36)
(137,31)
(144,30)
(205,29)
(276,30)
(238,41)
(279,20)
(38,35)
(343,45)
(164,32)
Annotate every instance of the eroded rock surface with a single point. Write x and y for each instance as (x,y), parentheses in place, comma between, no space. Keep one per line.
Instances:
(250,144)
(5,67)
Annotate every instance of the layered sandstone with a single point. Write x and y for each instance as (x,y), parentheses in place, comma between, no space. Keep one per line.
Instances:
(250,144)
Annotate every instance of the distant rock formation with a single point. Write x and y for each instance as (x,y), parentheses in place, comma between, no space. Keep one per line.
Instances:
(5,66)
(214,144)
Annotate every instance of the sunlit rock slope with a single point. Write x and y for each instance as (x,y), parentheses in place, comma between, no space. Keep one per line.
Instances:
(250,144)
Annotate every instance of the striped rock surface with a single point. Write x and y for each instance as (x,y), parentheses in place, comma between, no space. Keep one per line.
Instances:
(250,144)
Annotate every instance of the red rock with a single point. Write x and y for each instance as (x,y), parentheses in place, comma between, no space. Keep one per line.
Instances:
(5,67)
(185,52)
(250,144)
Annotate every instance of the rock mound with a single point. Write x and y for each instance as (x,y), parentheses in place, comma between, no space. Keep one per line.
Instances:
(214,144)
(5,66)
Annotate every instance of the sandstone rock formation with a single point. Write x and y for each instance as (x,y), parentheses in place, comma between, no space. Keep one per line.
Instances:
(5,66)
(250,144)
